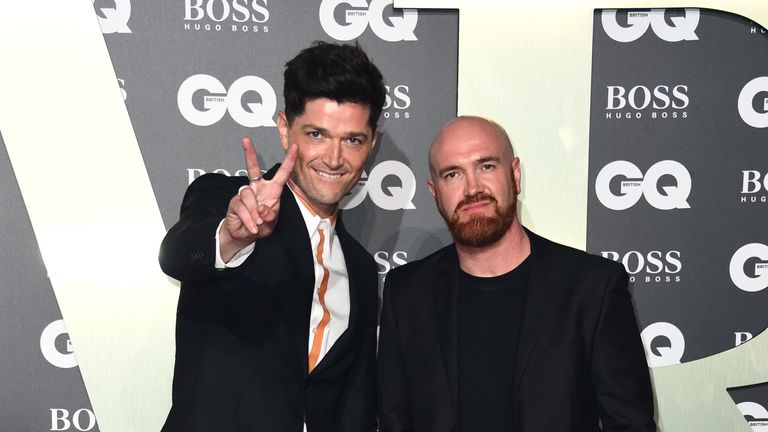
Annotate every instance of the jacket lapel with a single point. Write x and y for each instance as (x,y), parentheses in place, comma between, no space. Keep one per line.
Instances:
(446,311)
(291,233)
(539,286)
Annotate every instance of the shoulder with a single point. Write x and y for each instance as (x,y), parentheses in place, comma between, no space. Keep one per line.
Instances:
(425,269)
(567,259)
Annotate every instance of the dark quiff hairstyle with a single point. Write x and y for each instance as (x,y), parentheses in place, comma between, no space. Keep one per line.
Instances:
(339,72)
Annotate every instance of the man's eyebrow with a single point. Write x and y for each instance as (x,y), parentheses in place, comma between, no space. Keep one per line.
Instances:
(313,127)
(324,131)
(487,159)
(448,169)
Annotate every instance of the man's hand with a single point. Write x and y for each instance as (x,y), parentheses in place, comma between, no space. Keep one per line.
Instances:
(252,213)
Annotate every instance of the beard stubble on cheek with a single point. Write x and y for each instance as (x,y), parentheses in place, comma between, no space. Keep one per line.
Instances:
(480,230)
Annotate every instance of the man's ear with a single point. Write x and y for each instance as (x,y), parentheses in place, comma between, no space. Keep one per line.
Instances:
(431,186)
(516,173)
(282,129)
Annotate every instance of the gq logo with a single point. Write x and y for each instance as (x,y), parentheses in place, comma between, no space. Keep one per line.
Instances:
(755,117)
(636,185)
(664,344)
(753,256)
(397,198)
(758,413)
(115,20)
(682,28)
(60,358)
(356,20)
(219,100)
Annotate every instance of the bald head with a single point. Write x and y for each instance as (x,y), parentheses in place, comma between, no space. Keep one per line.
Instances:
(457,133)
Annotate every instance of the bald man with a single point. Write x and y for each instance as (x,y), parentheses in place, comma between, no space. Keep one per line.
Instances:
(504,330)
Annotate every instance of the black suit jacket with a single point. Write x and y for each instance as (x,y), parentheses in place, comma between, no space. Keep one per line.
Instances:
(579,356)
(242,333)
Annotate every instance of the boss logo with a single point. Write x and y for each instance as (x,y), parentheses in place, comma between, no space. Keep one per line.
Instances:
(359,15)
(193,173)
(217,100)
(396,197)
(387,261)
(114,20)
(242,14)
(657,266)
(662,101)
(753,188)
(742,337)
(56,346)
(664,344)
(397,102)
(682,28)
(749,267)
(82,419)
(753,103)
(635,185)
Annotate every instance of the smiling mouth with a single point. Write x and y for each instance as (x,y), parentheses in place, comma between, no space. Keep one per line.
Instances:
(331,176)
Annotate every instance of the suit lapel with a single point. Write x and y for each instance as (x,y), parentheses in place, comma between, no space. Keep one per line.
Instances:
(446,294)
(539,287)
(293,236)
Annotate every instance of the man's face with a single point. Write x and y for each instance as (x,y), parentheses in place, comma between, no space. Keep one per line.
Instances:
(334,142)
(475,182)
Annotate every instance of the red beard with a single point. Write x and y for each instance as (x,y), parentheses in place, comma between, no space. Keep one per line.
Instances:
(480,231)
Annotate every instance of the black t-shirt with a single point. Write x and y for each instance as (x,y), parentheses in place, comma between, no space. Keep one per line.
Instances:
(490,314)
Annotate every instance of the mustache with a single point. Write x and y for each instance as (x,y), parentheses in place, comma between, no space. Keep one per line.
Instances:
(476,198)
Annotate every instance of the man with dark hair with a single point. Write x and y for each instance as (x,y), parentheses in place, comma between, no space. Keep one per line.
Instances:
(276,322)
(505,331)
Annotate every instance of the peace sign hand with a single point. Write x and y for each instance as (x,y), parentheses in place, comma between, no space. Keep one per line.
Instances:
(252,213)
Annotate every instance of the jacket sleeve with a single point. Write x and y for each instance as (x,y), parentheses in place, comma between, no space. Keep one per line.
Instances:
(187,253)
(619,370)
(393,403)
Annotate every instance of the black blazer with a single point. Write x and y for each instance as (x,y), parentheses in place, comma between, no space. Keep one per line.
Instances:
(242,333)
(579,356)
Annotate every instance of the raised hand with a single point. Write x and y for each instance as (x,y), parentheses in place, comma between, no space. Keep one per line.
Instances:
(252,213)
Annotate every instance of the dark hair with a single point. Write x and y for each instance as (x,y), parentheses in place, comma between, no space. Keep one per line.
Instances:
(339,72)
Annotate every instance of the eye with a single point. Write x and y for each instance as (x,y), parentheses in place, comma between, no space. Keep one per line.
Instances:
(451,175)
(487,166)
(314,134)
(355,141)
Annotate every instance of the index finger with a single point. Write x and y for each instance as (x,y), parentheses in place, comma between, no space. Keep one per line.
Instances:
(251,159)
(282,174)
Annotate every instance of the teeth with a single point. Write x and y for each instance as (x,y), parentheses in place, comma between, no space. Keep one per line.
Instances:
(327,175)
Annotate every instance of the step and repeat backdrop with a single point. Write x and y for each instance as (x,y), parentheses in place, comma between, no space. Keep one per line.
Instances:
(677,178)
(676,187)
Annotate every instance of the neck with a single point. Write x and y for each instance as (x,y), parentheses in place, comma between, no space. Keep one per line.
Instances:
(498,258)
(325,212)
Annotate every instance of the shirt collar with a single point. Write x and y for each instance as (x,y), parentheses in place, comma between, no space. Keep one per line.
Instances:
(312,219)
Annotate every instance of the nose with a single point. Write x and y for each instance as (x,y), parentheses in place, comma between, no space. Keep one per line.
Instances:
(473,184)
(332,156)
